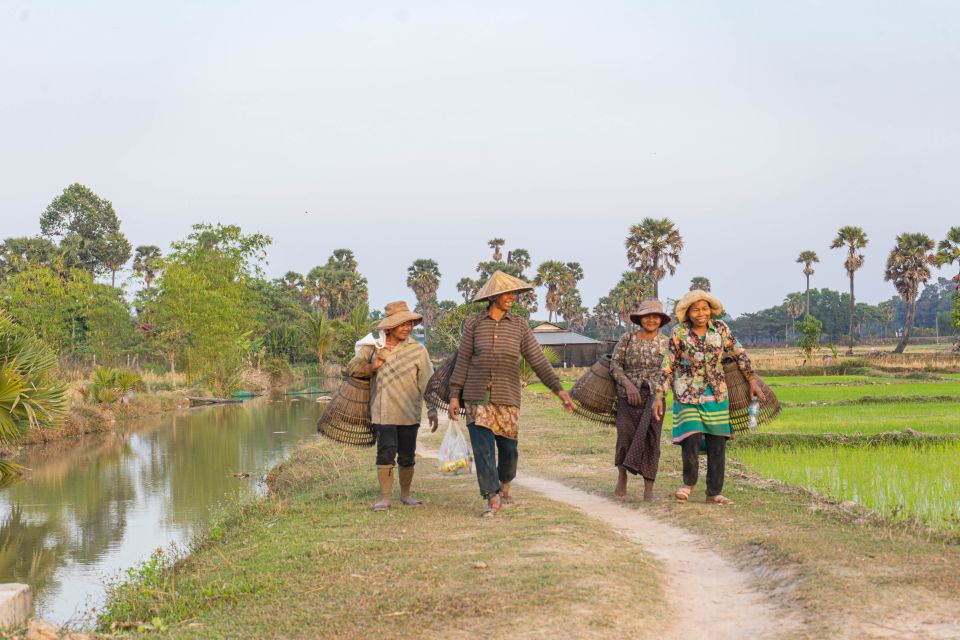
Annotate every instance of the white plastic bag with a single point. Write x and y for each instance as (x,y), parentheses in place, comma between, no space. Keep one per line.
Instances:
(455,456)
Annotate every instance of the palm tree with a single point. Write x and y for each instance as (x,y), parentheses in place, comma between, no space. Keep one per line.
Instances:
(30,394)
(794,307)
(320,333)
(807,258)
(423,276)
(495,244)
(908,266)
(468,288)
(948,252)
(146,262)
(520,258)
(854,239)
(653,248)
(556,277)
(885,313)
(699,282)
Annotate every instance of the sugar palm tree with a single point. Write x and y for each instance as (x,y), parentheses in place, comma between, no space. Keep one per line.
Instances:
(854,239)
(653,249)
(908,266)
(30,394)
(146,262)
(495,244)
(520,258)
(468,288)
(885,314)
(423,276)
(807,258)
(794,306)
(948,252)
(699,282)
(556,277)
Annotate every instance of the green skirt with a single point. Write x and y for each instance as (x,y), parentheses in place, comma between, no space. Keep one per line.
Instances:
(711,417)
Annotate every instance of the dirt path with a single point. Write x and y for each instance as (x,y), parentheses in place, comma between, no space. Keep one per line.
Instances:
(712,598)
(722,604)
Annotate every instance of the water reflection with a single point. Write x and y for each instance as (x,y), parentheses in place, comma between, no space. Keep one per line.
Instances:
(97,504)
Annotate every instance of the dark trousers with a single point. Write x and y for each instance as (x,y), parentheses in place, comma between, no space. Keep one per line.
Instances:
(495,457)
(396,444)
(716,461)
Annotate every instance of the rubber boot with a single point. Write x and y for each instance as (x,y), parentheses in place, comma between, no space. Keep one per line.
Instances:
(406,479)
(385,477)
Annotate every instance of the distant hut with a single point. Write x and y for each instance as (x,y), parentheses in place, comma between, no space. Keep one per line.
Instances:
(573,349)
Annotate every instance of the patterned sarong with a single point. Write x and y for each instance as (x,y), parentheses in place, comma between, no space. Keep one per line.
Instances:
(711,417)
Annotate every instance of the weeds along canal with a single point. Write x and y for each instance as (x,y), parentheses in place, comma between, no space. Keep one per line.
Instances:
(93,506)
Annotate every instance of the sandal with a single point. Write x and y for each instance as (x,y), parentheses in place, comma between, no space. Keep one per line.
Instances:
(682,494)
(718,499)
(506,499)
(381,505)
(410,501)
(492,509)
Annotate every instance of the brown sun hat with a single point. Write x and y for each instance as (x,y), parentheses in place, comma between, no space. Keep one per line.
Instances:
(650,308)
(395,314)
(696,295)
(501,282)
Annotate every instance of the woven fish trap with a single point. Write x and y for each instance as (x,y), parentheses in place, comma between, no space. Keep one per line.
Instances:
(346,419)
(738,390)
(595,393)
(437,393)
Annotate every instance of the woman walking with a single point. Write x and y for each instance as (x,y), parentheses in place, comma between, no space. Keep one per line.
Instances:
(487,377)
(398,377)
(635,368)
(701,409)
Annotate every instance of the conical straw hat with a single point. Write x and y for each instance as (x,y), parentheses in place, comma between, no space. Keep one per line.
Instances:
(501,282)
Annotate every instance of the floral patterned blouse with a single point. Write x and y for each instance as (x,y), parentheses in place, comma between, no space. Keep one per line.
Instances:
(692,362)
(638,361)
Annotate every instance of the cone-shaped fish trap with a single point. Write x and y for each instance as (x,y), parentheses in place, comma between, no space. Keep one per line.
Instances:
(739,392)
(437,393)
(346,418)
(595,393)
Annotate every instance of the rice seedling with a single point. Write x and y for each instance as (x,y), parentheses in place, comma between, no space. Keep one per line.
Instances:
(799,395)
(928,417)
(904,483)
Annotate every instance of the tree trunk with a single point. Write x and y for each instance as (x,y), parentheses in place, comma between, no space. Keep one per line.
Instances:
(656,281)
(808,294)
(786,334)
(113,278)
(907,325)
(850,347)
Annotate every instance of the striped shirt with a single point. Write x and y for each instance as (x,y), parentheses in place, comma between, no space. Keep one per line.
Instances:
(489,359)
(396,388)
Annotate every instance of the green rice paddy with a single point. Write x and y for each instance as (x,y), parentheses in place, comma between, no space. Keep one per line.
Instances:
(908,483)
(928,417)
(898,388)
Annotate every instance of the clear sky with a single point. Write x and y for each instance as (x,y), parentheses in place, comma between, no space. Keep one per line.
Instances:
(422,129)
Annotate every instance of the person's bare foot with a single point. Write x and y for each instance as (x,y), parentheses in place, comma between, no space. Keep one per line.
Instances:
(620,491)
(718,499)
(648,491)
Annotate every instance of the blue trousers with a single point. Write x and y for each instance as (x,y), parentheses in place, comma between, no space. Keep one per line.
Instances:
(495,457)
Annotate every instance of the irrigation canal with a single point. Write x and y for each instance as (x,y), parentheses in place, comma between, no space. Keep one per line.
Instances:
(96,505)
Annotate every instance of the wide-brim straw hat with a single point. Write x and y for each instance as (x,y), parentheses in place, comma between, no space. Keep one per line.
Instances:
(501,282)
(694,296)
(650,308)
(396,313)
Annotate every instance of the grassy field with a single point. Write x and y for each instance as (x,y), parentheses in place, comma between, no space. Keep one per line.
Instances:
(808,552)
(316,562)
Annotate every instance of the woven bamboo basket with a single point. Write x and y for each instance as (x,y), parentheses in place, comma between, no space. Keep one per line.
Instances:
(346,417)
(595,393)
(437,393)
(739,392)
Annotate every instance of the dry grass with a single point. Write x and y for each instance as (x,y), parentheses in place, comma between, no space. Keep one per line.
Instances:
(315,562)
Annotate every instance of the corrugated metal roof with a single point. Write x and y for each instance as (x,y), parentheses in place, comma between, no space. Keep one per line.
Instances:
(548,327)
(566,337)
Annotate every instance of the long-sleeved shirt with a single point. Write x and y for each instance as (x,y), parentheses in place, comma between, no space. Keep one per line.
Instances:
(489,359)
(693,362)
(637,361)
(396,388)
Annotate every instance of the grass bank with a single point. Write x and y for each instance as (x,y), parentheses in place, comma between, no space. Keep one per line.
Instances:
(811,553)
(314,561)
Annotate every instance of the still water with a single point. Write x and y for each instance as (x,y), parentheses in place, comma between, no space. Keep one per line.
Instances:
(94,505)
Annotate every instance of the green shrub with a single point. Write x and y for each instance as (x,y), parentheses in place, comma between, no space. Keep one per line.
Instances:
(110,385)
